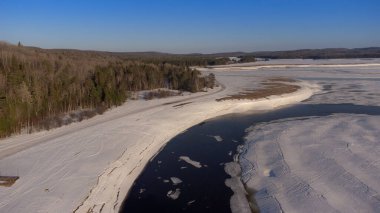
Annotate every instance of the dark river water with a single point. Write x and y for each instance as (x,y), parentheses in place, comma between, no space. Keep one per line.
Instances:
(203,189)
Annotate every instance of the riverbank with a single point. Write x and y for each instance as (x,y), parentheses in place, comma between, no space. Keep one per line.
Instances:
(162,128)
(91,165)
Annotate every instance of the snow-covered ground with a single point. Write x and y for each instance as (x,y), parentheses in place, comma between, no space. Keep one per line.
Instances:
(91,165)
(319,164)
(325,164)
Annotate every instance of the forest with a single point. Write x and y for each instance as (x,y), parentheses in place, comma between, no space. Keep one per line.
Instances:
(38,85)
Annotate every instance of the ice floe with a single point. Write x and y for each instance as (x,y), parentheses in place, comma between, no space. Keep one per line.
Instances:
(175,180)
(218,138)
(174,194)
(191,162)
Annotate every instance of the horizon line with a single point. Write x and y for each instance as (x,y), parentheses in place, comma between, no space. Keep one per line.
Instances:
(188,53)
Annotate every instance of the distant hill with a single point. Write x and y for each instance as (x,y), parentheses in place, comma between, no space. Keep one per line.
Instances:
(327,53)
(370,52)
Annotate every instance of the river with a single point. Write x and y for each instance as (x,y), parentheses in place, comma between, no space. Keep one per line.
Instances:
(212,143)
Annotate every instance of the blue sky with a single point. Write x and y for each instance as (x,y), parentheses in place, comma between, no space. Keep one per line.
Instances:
(188,26)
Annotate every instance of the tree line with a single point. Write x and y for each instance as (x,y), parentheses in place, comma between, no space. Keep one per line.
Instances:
(37,84)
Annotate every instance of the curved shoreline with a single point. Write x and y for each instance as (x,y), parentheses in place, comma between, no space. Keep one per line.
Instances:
(92,164)
(98,200)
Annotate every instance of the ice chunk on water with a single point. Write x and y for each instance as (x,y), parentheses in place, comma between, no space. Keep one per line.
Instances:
(174,194)
(191,162)
(175,180)
(218,138)
(190,202)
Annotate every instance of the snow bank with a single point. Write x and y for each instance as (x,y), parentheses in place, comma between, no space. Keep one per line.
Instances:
(91,165)
(327,164)
(238,201)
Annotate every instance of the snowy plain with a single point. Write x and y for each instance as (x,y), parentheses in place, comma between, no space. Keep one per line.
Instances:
(323,164)
(91,165)
(318,164)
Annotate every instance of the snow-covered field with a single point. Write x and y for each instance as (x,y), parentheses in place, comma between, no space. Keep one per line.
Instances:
(326,164)
(91,165)
(319,164)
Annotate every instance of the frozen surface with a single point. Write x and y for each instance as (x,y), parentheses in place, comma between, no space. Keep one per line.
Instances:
(91,165)
(355,91)
(218,138)
(324,164)
(175,180)
(191,162)
(328,164)
(174,194)
(303,63)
